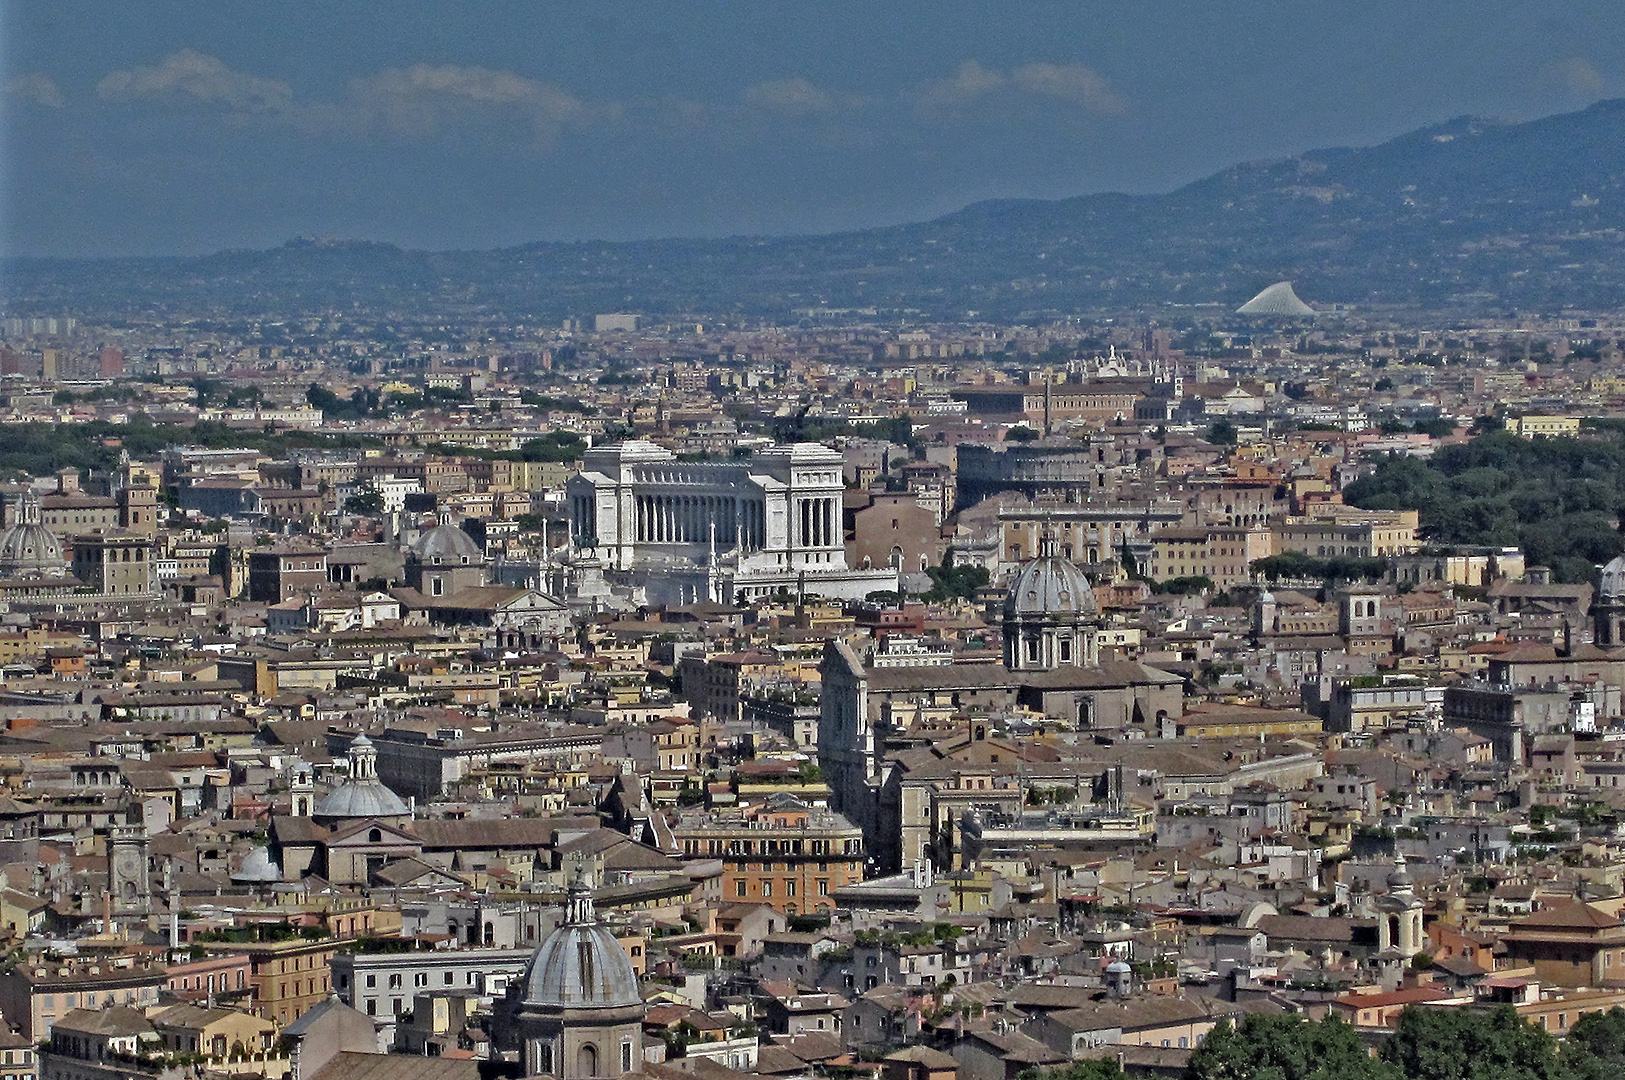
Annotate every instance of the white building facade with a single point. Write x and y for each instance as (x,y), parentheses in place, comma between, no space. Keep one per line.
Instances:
(721,531)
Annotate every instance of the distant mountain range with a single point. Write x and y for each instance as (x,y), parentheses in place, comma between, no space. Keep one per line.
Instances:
(1471,216)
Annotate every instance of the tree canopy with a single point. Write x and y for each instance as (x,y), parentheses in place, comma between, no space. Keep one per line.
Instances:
(1286,1047)
(1560,499)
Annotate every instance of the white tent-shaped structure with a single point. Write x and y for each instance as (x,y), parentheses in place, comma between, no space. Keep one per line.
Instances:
(1278,299)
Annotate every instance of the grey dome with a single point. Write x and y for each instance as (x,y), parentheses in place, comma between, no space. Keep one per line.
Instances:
(1612,586)
(363,795)
(447,545)
(1050,587)
(258,867)
(30,548)
(580,965)
(361,799)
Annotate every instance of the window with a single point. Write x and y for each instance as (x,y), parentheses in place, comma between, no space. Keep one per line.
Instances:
(372,981)
(789,888)
(767,888)
(741,887)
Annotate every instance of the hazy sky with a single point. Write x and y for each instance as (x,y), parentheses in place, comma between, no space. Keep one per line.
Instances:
(168,127)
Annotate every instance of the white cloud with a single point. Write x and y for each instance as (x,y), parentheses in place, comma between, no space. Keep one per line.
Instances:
(193,76)
(793,97)
(426,100)
(1071,82)
(38,88)
(969,82)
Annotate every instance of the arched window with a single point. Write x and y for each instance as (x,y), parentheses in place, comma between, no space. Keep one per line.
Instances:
(375,836)
(587,1060)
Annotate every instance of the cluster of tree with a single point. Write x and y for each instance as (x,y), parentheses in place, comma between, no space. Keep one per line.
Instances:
(554,446)
(1559,499)
(1296,564)
(1427,1044)
(41,449)
(801,428)
(1183,586)
(549,401)
(949,581)
(365,401)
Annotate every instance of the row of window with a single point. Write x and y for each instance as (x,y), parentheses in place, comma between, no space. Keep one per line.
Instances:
(742,887)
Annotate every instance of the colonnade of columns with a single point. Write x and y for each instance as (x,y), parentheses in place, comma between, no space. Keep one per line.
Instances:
(688,519)
(819,523)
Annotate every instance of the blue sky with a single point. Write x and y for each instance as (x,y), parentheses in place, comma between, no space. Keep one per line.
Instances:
(183,127)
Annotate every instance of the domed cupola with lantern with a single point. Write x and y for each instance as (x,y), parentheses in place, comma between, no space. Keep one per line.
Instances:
(577,1011)
(1050,616)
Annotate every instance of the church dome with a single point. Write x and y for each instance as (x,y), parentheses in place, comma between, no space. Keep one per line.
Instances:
(1612,586)
(30,548)
(580,965)
(1050,587)
(363,795)
(447,545)
(258,867)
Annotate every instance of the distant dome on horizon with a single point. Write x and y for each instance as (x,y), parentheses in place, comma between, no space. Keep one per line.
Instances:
(1278,299)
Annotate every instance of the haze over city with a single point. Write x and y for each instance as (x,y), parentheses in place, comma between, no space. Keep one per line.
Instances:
(821,541)
(166,128)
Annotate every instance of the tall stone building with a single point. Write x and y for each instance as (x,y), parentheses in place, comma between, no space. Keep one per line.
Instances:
(723,531)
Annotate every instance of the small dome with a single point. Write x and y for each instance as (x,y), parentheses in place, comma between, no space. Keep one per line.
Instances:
(447,545)
(1050,587)
(363,795)
(258,867)
(361,799)
(1401,878)
(30,548)
(580,965)
(1612,586)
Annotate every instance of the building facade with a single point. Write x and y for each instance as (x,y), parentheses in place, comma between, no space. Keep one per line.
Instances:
(686,532)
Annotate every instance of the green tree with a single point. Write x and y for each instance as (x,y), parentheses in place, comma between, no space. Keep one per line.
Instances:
(1095,1069)
(1221,433)
(1595,1048)
(949,581)
(366,500)
(1471,1044)
(1286,1047)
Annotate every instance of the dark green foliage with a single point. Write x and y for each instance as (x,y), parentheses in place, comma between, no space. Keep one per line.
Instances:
(1471,1044)
(366,500)
(1096,1069)
(1557,498)
(1286,1047)
(1295,564)
(1221,433)
(1595,1048)
(949,581)
(40,449)
(1183,586)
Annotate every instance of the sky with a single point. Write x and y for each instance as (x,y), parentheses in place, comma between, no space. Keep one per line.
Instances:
(184,127)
